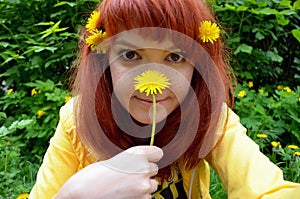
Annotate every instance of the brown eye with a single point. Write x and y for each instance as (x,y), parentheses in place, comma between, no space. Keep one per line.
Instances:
(129,55)
(175,57)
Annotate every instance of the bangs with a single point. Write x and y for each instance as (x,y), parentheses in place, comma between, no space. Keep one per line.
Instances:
(177,15)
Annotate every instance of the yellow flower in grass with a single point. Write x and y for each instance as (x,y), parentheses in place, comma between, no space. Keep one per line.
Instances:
(33,92)
(23,196)
(95,39)
(91,26)
(287,89)
(293,147)
(262,135)
(151,82)
(276,144)
(242,93)
(279,87)
(297,153)
(261,91)
(67,98)
(209,32)
(40,113)
(9,91)
(250,84)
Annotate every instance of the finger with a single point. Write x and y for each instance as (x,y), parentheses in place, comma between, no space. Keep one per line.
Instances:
(154,185)
(152,153)
(153,169)
(134,160)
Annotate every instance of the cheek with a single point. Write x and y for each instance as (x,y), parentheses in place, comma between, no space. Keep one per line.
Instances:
(123,83)
(181,83)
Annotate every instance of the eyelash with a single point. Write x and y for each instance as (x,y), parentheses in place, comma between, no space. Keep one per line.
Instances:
(122,53)
(181,57)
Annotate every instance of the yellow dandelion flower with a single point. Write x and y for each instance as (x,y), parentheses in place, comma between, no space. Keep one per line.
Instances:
(261,135)
(91,25)
(40,113)
(299,99)
(250,84)
(279,87)
(261,91)
(67,98)
(297,153)
(209,32)
(33,92)
(293,147)
(23,196)
(287,89)
(95,39)
(9,91)
(151,82)
(275,144)
(242,93)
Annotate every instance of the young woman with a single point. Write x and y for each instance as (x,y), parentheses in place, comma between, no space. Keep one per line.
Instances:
(100,148)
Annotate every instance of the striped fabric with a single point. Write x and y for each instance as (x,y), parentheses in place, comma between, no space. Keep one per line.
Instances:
(172,188)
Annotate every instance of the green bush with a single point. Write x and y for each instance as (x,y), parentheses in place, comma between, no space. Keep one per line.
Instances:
(38,40)
(264,38)
(272,118)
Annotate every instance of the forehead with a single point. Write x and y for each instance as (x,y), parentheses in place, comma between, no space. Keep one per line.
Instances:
(144,40)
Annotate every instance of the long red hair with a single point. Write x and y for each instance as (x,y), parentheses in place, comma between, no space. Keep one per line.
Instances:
(96,126)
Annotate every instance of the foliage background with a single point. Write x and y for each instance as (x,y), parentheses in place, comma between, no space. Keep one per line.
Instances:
(38,40)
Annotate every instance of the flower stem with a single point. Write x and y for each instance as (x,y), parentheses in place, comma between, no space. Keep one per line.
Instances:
(153,120)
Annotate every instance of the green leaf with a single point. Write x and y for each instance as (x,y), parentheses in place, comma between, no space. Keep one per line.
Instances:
(242,8)
(65,3)
(261,4)
(281,20)
(4,44)
(19,124)
(243,48)
(259,36)
(296,33)
(3,131)
(274,56)
(45,23)
(267,11)
(296,5)
(11,71)
(288,12)
(286,3)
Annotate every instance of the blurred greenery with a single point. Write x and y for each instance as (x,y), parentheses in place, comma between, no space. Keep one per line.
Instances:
(38,42)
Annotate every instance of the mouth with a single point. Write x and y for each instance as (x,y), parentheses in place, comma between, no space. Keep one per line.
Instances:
(149,101)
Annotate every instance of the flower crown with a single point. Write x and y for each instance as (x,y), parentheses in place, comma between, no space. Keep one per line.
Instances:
(209,32)
(96,36)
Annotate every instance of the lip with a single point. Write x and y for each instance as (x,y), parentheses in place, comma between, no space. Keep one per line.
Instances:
(149,101)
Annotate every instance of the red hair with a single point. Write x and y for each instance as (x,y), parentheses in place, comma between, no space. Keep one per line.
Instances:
(93,83)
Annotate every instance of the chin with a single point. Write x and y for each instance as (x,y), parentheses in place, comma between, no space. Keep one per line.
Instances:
(146,117)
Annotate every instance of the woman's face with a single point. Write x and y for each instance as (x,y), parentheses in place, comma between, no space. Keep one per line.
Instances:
(130,55)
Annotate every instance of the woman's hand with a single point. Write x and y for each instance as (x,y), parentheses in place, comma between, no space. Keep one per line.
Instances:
(126,175)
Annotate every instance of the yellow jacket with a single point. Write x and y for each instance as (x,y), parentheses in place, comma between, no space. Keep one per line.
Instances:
(244,171)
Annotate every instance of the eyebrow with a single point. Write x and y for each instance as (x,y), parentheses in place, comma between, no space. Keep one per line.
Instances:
(131,45)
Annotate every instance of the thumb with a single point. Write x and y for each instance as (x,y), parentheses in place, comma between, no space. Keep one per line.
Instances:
(135,159)
(152,153)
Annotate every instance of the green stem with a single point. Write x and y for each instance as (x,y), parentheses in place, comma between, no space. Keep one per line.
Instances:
(153,120)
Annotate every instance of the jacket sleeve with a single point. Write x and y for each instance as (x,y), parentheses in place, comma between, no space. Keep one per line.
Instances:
(246,172)
(59,162)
